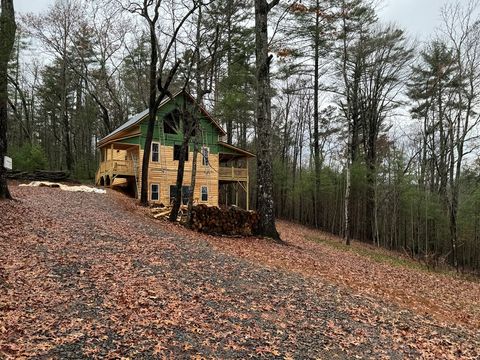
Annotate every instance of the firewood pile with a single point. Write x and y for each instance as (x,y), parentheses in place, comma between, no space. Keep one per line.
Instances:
(38,175)
(228,221)
(214,220)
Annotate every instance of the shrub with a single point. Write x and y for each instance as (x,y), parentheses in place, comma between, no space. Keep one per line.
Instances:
(29,158)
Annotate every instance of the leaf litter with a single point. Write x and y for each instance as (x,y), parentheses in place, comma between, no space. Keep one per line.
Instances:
(84,276)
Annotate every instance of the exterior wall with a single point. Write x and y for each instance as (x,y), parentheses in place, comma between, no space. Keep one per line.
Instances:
(209,132)
(164,173)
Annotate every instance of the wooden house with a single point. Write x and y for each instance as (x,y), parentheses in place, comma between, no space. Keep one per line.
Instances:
(219,165)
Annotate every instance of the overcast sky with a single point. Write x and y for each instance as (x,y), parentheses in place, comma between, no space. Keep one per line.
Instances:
(419,17)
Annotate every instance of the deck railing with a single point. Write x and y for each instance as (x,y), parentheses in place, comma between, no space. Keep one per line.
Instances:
(232,173)
(117,167)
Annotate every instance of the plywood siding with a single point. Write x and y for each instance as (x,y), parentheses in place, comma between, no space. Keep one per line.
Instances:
(164,173)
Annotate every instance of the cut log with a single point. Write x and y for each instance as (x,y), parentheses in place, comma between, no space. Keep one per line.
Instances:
(163,213)
(39,175)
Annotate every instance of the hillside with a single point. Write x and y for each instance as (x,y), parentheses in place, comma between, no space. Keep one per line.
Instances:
(91,276)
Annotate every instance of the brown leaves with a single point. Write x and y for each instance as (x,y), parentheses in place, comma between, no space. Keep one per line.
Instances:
(94,276)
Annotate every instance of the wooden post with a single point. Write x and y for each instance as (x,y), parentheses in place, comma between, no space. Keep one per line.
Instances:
(226,192)
(111,163)
(248,187)
(236,194)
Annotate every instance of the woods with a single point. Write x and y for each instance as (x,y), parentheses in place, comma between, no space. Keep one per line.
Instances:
(358,129)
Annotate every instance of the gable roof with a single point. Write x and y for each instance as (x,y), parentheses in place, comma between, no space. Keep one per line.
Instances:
(136,119)
(236,149)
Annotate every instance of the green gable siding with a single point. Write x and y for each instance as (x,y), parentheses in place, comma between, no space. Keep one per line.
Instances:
(131,140)
(209,130)
(226,150)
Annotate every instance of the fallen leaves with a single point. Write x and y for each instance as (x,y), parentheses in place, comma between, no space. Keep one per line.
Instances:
(87,275)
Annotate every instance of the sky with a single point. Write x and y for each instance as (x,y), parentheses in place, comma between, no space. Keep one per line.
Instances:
(418,17)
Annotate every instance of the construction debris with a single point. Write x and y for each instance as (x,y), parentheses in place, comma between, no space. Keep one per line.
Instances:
(163,212)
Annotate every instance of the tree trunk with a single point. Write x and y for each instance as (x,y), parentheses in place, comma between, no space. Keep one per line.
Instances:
(177,202)
(316,142)
(265,203)
(152,111)
(7,39)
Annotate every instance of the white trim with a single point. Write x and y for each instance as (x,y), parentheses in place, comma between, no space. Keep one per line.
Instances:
(201,193)
(151,191)
(151,152)
(204,163)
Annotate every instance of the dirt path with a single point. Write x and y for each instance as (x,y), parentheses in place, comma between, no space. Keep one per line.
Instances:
(88,276)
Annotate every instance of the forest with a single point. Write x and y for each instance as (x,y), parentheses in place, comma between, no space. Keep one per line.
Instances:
(359,129)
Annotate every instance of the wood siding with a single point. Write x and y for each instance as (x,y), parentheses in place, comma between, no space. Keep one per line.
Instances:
(164,173)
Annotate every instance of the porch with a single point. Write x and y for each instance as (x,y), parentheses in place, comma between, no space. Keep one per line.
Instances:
(233,177)
(117,161)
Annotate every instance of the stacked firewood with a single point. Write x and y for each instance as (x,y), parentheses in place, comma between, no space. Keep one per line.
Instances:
(229,221)
(39,175)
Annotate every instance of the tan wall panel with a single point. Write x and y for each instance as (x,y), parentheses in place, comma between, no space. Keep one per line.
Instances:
(164,173)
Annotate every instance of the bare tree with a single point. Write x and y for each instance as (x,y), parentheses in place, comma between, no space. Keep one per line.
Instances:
(55,29)
(462,31)
(158,87)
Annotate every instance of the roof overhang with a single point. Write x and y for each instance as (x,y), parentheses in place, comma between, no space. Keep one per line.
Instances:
(241,152)
(136,119)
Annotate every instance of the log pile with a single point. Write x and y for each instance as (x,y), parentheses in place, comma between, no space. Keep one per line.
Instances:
(228,221)
(39,175)
(163,212)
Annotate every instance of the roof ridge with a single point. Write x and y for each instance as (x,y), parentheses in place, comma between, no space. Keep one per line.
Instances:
(133,120)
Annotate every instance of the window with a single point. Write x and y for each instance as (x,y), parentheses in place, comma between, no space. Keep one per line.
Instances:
(154,192)
(204,193)
(176,152)
(155,152)
(205,153)
(173,193)
(185,194)
(186,190)
(171,122)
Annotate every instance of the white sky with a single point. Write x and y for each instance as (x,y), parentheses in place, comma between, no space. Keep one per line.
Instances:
(418,17)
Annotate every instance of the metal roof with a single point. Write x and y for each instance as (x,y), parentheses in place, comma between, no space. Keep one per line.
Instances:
(140,116)
(130,122)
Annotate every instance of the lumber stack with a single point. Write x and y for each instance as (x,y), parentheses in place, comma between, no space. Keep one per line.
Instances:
(228,221)
(39,175)
(163,212)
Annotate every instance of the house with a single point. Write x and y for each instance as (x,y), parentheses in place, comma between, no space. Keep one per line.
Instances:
(219,165)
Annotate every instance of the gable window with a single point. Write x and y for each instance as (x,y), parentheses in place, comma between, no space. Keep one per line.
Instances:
(204,193)
(171,122)
(154,192)
(205,153)
(155,152)
(176,152)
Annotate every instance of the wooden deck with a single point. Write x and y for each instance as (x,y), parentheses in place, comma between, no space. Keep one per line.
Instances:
(114,169)
(119,168)
(232,174)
